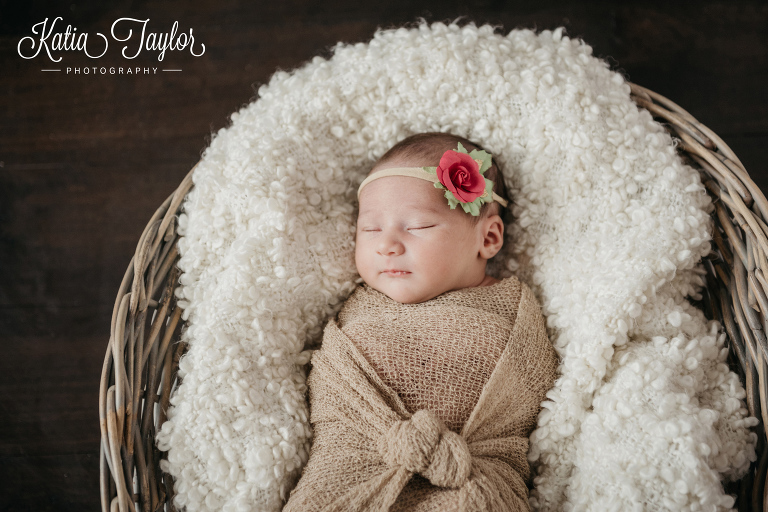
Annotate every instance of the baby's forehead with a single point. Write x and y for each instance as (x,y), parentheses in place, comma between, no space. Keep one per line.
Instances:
(425,207)
(401,190)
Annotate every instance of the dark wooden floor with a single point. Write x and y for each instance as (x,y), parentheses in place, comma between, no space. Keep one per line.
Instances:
(86,159)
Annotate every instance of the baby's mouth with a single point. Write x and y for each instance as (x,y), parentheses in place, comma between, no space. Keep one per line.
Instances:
(395,272)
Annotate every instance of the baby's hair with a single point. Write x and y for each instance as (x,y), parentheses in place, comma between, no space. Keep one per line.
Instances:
(427,148)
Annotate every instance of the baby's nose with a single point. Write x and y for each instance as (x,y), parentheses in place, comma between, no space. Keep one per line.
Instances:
(390,245)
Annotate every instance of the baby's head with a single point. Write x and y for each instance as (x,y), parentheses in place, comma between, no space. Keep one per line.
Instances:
(410,245)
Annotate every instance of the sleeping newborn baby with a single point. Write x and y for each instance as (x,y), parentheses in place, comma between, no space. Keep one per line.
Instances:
(430,379)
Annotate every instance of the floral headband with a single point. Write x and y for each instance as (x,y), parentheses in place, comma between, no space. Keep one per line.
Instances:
(459,173)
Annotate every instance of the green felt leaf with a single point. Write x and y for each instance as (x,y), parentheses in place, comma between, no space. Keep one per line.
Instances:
(471,208)
(433,170)
(461,149)
(485,157)
(452,201)
(489,189)
(439,185)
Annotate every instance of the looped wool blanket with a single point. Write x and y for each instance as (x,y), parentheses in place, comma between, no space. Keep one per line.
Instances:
(609,229)
(478,358)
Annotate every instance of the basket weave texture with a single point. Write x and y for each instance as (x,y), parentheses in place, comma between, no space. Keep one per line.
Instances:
(142,358)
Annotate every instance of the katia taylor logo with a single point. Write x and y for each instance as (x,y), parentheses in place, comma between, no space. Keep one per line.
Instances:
(49,40)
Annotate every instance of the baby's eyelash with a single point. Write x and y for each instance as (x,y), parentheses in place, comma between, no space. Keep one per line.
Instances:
(371,230)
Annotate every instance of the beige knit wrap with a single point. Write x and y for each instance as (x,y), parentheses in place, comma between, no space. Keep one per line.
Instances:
(426,407)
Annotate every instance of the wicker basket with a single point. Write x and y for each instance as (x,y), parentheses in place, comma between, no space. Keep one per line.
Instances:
(144,349)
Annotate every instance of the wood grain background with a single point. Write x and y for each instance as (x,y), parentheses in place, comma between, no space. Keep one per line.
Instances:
(86,159)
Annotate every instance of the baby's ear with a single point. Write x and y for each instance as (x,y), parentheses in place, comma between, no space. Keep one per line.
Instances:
(493,236)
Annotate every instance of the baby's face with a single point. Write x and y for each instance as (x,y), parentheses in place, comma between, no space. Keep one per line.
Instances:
(410,245)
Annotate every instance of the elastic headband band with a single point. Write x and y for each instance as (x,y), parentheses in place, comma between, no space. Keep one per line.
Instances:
(413,172)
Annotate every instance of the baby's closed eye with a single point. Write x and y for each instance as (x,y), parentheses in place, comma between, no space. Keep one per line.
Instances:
(411,227)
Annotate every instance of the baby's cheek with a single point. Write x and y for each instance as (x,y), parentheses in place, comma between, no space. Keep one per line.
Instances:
(361,258)
(357,255)
(440,257)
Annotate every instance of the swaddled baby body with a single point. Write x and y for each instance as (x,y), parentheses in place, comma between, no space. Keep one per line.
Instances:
(429,381)
(412,347)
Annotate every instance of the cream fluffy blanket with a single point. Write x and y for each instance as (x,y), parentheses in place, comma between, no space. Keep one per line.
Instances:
(448,389)
(609,230)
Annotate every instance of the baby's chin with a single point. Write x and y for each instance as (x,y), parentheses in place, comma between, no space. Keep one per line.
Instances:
(404,293)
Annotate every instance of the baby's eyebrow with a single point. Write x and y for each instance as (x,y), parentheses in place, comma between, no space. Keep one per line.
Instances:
(365,211)
(433,209)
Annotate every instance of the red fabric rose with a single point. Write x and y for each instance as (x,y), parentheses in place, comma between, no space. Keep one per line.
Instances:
(460,174)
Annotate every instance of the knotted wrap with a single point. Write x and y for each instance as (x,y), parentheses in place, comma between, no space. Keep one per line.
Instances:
(371,453)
